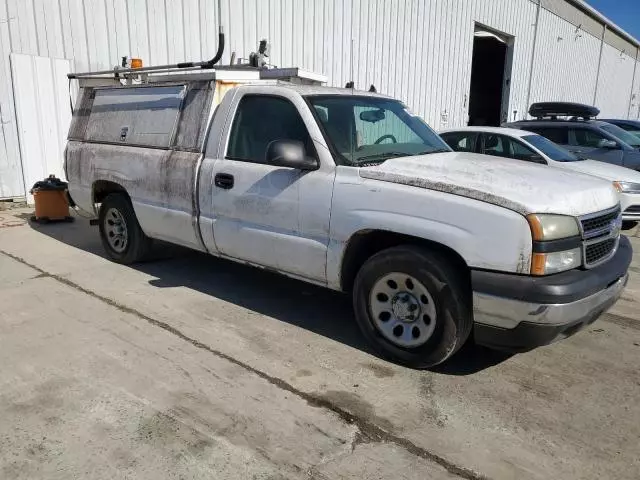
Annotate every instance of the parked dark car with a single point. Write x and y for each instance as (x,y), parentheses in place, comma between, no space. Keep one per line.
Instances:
(631,126)
(581,134)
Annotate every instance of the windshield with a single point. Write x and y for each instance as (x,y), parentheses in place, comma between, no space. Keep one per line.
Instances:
(550,149)
(628,126)
(365,130)
(623,135)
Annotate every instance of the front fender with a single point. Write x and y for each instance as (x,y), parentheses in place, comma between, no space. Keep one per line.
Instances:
(485,236)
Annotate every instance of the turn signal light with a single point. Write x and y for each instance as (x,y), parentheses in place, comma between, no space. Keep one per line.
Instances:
(538,264)
(136,63)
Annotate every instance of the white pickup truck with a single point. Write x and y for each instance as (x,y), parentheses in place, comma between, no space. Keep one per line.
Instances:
(351,191)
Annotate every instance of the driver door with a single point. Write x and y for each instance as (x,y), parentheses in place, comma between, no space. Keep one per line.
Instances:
(268,215)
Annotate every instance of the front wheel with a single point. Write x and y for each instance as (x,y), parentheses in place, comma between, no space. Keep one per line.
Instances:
(121,235)
(413,306)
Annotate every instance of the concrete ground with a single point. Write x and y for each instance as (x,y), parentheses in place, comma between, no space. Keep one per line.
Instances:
(192,367)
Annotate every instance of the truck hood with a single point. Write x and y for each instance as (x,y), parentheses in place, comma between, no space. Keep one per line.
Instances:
(602,170)
(519,186)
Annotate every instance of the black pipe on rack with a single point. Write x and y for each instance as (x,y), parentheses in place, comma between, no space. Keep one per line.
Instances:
(207,64)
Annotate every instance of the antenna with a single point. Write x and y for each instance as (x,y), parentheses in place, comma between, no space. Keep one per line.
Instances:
(352,80)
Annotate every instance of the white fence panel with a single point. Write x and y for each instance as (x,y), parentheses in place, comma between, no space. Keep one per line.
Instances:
(43,114)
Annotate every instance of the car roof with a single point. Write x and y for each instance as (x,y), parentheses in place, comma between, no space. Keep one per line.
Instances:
(620,120)
(306,90)
(512,132)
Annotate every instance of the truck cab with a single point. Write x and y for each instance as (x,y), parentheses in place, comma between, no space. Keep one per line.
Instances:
(352,191)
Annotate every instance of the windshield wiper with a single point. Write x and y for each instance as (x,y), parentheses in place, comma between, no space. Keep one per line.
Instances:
(384,156)
(387,155)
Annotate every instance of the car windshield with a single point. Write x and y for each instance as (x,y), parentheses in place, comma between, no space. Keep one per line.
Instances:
(621,134)
(365,130)
(628,126)
(550,149)
(632,129)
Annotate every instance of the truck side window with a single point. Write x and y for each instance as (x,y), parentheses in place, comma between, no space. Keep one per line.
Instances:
(261,119)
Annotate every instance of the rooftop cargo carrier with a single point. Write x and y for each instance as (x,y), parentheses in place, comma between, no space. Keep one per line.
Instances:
(562,109)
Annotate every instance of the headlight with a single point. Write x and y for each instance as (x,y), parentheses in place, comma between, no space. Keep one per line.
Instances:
(552,227)
(555,262)
(627,187)
(561,228)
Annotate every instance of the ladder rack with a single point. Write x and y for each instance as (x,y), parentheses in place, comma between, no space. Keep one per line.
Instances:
(119,72)
(222,73)
(125,72)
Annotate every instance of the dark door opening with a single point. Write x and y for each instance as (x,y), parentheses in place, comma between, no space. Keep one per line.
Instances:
(487,80)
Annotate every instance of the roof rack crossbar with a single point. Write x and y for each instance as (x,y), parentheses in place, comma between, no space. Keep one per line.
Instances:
(206,64)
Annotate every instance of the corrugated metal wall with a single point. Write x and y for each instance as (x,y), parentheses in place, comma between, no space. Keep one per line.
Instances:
(417,50)
(634,104)
(566,63)
(614,85)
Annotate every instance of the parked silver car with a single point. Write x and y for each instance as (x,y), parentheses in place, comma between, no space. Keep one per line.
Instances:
(581,134)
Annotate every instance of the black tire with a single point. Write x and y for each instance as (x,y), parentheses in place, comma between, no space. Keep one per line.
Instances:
(138,244)
(628,224)
(450,293)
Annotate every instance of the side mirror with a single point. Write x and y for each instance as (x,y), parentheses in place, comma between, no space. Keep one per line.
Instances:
(290,154)
(604,143)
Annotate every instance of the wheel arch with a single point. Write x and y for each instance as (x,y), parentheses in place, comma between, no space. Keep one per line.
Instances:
(101,188)
(363,244)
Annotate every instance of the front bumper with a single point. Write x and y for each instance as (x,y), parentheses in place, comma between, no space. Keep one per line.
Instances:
(518,313)
(630,206)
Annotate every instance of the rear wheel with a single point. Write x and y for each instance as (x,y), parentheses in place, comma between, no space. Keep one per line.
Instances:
(413,306)
(121,235)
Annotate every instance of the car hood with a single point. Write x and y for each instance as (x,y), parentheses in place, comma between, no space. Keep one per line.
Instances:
(519,186)
(602,170)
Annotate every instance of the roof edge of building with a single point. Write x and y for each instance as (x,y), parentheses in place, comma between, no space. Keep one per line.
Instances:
(589,10)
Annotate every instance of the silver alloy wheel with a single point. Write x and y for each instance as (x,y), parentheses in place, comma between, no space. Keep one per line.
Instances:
(402,310)
(116,230)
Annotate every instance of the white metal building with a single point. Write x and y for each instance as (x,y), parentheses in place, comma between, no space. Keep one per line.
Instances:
(452,61)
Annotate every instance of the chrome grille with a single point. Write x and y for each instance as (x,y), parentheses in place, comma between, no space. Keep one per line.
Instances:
(598,224)
(600,233)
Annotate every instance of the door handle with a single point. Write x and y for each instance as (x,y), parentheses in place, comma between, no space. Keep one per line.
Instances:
(223,180)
